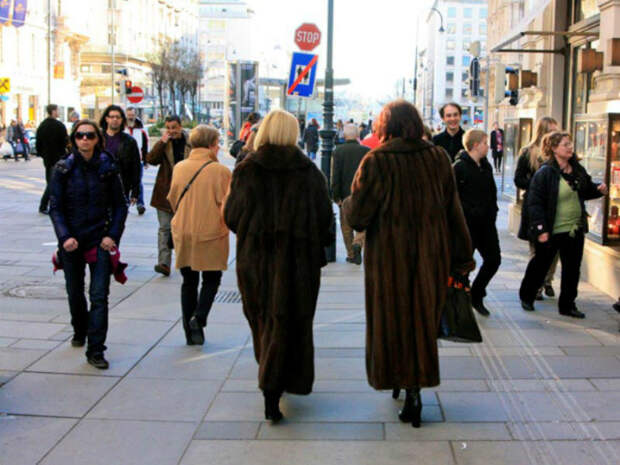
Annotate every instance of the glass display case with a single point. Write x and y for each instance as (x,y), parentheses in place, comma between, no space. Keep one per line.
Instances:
(597,143)
(517,132)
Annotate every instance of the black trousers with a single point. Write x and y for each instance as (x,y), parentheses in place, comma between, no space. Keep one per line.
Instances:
(45,198)
(571,253)
(497,159)
(484,239)
(194,304)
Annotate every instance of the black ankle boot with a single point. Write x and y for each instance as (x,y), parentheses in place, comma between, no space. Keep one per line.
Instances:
(412,410)
(395,393)
(272,406)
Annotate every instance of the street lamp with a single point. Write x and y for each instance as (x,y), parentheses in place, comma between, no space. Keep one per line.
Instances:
(441,29)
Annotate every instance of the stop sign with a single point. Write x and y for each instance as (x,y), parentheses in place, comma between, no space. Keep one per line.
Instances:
(136,96)
(307,36)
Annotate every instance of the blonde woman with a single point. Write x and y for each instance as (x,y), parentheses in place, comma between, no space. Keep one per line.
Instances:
(197,192)
(281,212)
(558,220)
(530,159)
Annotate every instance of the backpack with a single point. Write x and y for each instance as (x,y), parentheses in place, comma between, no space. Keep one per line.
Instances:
(236,147)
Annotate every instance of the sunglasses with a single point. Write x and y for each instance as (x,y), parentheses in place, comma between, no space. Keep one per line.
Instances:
(89,135)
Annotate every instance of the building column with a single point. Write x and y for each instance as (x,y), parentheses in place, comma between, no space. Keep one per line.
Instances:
(608,82)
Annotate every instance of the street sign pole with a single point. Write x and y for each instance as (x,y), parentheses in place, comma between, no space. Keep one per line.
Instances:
(327,134)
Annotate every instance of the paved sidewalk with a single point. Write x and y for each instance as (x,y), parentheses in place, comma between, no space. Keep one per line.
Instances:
(541,389)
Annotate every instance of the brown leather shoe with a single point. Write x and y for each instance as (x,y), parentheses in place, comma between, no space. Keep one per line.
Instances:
(163,269)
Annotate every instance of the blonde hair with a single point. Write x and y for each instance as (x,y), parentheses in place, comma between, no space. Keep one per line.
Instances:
(543,126)
(551,141)
(473,137)
(278,128)
(203,136)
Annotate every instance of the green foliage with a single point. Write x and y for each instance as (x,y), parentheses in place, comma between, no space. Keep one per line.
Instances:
(154,130)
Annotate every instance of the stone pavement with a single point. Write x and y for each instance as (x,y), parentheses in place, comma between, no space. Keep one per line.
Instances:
(541,389)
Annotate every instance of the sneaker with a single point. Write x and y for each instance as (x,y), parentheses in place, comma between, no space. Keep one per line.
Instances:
(78,341)
(163,269)
(528,307)
(539,294)
(195,332)
(480,308)
(357,254)
(98,361)
(549,292)
(141,209)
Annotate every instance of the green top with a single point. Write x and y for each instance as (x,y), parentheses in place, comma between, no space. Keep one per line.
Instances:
(568,211)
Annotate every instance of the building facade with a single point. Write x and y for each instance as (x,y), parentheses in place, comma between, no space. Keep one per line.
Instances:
(572,48)
(447,58)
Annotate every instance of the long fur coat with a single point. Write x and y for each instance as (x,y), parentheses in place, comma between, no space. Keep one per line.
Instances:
(281,212)
(404,195)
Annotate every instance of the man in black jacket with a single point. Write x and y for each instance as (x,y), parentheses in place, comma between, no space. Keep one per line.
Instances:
(478,193)
(123,148)
(452,138)
(347,158)
(51,145)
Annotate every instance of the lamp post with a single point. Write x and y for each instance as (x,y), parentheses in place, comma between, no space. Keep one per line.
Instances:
(328,133)
(441,30)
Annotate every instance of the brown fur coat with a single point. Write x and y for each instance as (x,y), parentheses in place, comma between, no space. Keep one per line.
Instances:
(280,210)
(404,195)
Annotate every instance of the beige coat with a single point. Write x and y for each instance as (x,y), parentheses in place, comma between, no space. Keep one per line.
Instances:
(198,230)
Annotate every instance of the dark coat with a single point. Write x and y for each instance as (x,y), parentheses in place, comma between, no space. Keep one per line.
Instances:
(494,140)
(523,177)
(162,154)
(311,138)
(280,210)
(477,189)
(87,200)
(451,144)
(404,195)
(542,196)
(128,160)
(51,141)
(347,158)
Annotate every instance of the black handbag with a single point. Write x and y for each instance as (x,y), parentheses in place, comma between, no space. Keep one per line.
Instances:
(458,323)
(170,241)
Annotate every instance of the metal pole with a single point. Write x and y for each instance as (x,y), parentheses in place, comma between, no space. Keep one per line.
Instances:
(486,95)
(112,42)
(328,133)
(415,66)
(49,51)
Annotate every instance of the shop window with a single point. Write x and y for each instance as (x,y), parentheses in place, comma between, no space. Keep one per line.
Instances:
(467,29)
(452,12)
(450,60)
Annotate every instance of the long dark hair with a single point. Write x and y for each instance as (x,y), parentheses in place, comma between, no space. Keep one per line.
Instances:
(83,122)
(102,122)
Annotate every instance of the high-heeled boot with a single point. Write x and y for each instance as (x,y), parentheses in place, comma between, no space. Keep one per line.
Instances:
(272,406)
(412,410)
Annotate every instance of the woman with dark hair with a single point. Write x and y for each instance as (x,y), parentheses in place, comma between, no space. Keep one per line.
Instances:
(404,196)
(88,210)
(311,138)
(252,119)
(280,210)
(558,221)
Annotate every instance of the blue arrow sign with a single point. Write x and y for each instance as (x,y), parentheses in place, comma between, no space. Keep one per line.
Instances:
(303,74)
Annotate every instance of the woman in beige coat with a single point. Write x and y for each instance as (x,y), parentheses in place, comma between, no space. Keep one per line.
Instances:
(198,231)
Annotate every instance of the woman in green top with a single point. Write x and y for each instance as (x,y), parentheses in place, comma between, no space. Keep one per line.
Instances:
(558,220)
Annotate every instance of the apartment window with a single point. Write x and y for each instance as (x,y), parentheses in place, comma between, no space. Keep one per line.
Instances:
(584,9)
(484,12)
(466,44)
(450,60)
(449,76)
(466,60)
(449,93)
(467,29)
(467,12)
(464,76)
(483,29)
(451,29)
(464,92)
(450,44)
(452,12)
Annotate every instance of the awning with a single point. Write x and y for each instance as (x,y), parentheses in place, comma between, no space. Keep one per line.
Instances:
(521,30)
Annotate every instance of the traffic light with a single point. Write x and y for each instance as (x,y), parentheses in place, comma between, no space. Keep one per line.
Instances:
(474,78)
(512,85)
(117,87)
(128,86)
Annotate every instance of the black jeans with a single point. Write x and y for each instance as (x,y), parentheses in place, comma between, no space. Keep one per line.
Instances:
(191,303)
(571,253)
(497,160)
(45,198)
(485,239)
(93,323)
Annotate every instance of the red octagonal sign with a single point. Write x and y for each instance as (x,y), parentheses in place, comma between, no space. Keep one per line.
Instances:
(307,36)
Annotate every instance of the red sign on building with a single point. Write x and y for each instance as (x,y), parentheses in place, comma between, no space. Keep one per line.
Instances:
(307,36)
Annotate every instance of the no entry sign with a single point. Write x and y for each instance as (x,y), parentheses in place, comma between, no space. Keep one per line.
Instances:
(307,36)
(136,96)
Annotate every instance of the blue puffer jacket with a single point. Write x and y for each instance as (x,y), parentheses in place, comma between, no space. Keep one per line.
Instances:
(87,201)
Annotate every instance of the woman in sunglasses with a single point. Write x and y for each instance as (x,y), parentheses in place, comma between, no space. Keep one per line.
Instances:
(88,210)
